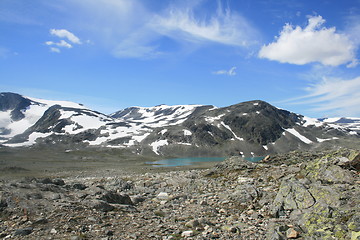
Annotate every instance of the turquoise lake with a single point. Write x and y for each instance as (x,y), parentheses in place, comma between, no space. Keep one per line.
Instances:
(178,162)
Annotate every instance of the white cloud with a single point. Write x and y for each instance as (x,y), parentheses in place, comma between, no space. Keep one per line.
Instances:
(224,27)
(314,43)
(334,96)
(62,43)
(230,72)
(56,50)
(63,33)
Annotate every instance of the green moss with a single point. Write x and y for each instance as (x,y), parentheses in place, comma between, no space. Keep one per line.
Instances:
(326,223)
(352,226)
(355,235)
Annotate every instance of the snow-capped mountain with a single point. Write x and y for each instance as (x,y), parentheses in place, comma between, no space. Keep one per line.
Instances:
(18,113)
(347,122)
(249,128)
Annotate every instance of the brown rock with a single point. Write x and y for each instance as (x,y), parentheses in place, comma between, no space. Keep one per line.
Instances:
(292,233)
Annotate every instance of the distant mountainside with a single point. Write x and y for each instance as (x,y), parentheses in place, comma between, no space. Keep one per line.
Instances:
(249,128)
(347,122)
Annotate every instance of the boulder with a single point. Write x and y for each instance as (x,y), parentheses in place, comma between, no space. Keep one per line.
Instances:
(291,195)
(113,197)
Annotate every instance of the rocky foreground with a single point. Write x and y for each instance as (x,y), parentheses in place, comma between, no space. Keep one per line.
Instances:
(291,196)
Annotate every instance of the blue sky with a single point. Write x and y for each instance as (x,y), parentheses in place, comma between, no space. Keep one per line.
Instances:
(111,54)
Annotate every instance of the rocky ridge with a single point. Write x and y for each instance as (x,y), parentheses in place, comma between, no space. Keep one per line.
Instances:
(247,129)
(298,195)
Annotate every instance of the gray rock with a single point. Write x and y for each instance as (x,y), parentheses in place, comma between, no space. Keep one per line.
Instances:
(113,197)
(102,206)
(292,195)
(192,223)
(59,182)
(79,186)
(23,231)
(40,220)
(245,194)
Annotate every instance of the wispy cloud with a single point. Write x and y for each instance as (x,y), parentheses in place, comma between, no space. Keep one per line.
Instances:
(224,27)
(314,43)
(54,49)
(128,29)
(230,72)
(334,96)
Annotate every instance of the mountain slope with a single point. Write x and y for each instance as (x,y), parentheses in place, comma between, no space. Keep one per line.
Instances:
(249,128)
(18,113)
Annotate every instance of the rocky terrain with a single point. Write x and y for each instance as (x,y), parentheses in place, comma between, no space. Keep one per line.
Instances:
(298,195)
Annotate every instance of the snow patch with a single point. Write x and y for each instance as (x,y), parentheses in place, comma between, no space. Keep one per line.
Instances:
(228,127)
(50,103)
(187,132)
(312,122)
(326,139)
(31,140)
(299,136)
(162,132)
(157,144)
(213,119)
(181,143)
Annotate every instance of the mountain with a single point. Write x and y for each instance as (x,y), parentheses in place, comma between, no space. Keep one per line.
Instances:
(347,122)
(249,128)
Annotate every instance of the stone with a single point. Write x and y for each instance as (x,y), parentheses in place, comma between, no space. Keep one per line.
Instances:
(192,223)
(245,180)
(163,196)
(53,196)
(231,229)
(244,194)
(113,197)
(58,181)
(137,199)
(292,195)
(23,231)
(189,233)
(75,238)
(336,174)
(103,206)
(291,233)
(79,186)
(46,181)
(41,220)
(353,163)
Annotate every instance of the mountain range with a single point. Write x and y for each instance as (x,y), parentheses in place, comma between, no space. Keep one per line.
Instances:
(253,128)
